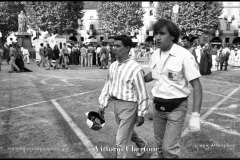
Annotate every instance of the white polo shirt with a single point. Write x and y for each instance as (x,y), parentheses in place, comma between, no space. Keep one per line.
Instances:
(172,71)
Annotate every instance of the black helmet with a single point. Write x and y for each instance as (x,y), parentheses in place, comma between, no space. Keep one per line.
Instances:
(95,120)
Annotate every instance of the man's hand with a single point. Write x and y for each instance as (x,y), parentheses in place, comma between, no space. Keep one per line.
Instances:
(140,121)
(101,110)
(194,122)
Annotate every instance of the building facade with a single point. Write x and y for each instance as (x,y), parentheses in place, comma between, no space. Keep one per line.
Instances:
(228,31)
(90,22)
(230,23)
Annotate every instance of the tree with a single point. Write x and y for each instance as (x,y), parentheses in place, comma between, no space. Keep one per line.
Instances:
(9,11)
(54,16)
(120,16)
(193,16)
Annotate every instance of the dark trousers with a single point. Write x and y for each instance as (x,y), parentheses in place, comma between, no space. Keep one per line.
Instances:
(225,65)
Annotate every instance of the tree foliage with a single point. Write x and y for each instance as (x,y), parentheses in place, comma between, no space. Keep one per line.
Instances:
(120,16)
(9,11)
(54,16)
(193,16)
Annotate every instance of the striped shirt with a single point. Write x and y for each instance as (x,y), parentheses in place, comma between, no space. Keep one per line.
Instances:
(125,82)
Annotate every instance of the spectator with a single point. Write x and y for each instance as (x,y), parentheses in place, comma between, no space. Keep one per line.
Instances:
(19,60)
(83,51)
(98,49)
(214,55)
(25,54)
(70,55)
(225,56)
(75,52)
(103,56)
(49,55)
(112,55)
(1,57)
(188,45)
(56,56)
(206,61)
(65,56)
(13,55)
(41,52)
(90,51)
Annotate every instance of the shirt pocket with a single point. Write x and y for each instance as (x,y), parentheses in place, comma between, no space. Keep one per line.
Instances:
(174,73)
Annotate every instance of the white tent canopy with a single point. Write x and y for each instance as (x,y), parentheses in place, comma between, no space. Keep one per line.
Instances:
(91,40)
(56,39)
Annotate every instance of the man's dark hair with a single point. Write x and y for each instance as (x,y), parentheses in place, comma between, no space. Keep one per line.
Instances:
(126,41)
(104,44)
(186,37)
(171,27)
(41,44)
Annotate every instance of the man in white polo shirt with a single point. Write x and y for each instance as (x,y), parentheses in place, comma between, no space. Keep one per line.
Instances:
(172,68)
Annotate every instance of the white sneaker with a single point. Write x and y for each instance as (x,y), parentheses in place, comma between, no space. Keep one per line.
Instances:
(141,151)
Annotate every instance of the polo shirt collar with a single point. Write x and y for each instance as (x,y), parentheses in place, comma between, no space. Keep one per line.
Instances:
(173,50)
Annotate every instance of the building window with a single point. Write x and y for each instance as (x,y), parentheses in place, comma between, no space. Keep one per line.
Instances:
(229,3)
(151,12)
(227,40)
(151,4)
(101,38)
(228,26)
(91,26)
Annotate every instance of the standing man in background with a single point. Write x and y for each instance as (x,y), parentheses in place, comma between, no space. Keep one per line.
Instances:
(90,51)
(188,45)
(25,53)
(41,52)
(65,56)
(83,51)
(49,53)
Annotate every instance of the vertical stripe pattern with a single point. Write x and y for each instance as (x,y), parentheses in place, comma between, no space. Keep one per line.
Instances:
(126,83)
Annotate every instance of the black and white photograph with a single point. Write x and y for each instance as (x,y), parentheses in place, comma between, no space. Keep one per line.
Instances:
(119,79)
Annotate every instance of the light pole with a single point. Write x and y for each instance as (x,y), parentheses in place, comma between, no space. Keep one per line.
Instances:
(175,12)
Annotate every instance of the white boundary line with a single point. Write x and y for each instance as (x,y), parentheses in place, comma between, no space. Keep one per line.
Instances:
(229,131)
(204,116)
(90,147)
(220,95)
(27,105)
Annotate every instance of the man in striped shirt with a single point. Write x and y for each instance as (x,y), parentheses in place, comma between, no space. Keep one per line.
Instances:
(126,94)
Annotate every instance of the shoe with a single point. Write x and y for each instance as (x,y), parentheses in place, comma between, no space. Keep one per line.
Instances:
(141,151)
